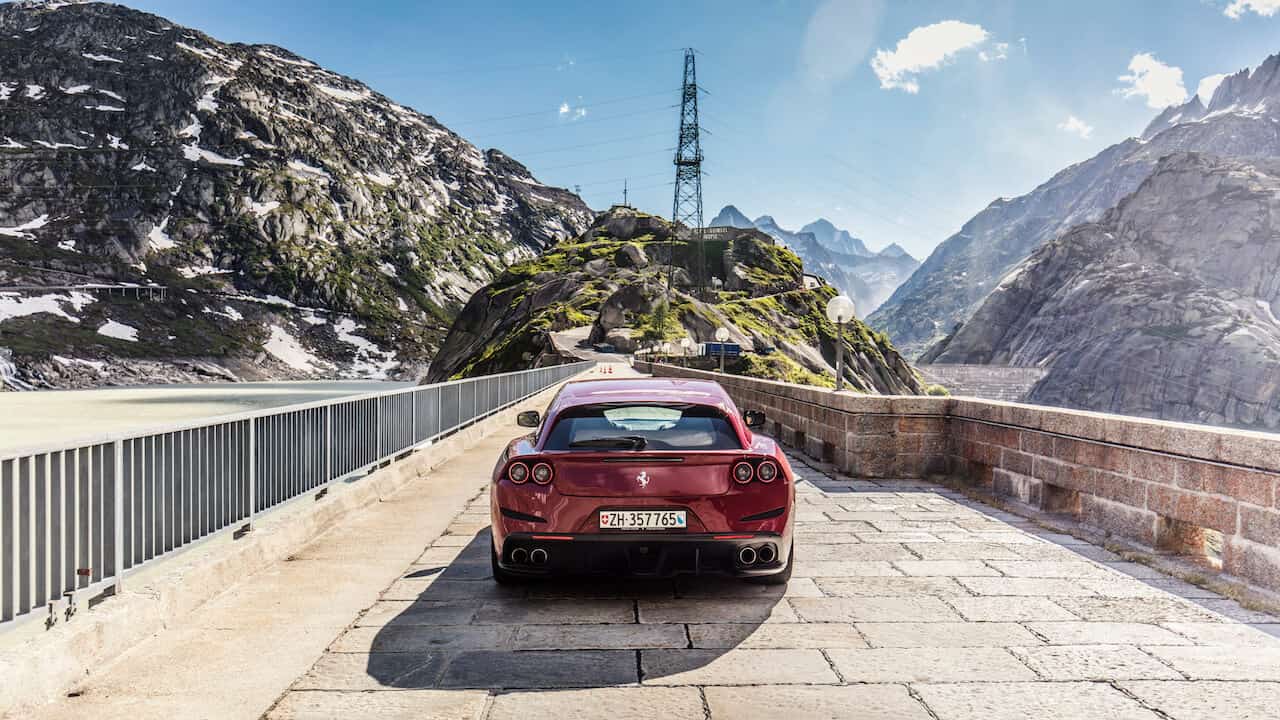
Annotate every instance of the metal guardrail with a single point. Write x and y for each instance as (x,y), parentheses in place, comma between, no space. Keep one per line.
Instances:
(74,518)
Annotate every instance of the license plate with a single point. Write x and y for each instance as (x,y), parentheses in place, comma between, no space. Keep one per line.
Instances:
(642,519)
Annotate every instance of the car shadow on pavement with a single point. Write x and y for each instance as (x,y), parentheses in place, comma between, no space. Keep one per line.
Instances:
(447,624)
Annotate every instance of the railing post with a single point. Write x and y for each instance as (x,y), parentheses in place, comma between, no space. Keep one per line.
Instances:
(117,479)
(377,441)
(328,444)
(251,449)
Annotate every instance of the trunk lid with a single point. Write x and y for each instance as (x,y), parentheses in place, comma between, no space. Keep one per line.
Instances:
(644,474)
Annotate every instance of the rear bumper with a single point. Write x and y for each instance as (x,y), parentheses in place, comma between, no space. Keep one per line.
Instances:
(642,554)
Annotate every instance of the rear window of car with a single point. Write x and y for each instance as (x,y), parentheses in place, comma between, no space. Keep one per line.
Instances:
(642,427)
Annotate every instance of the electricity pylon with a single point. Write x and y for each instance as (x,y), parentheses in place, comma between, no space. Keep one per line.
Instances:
(686,207)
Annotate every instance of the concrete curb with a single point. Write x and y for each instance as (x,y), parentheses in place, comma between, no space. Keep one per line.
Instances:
(39,666)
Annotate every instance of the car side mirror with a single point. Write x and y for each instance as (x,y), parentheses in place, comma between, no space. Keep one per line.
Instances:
(529,418)
(754,418)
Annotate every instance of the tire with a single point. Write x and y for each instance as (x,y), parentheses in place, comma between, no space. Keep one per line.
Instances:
(500,576)
(779,578)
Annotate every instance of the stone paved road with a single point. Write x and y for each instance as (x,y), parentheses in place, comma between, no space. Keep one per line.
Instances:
(908,602)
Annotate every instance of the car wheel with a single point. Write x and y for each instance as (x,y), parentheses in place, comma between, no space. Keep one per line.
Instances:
(779,578)
(500,576)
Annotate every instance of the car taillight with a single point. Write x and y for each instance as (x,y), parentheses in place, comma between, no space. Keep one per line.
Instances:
(743,472)
(518,473)
(543,474)
(767,471)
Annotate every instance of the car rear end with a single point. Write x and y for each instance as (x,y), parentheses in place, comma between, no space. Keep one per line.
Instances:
(646,487)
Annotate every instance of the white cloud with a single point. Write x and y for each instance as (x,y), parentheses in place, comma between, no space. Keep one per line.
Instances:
(1160,84)
(1208,85)
(1238,8)
(926,48)
(998,51)
(573,113)
(1076,126)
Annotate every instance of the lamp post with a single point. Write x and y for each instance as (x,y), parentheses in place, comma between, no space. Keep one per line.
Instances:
(722,337)
(685,344)
(840,310)
(666,350)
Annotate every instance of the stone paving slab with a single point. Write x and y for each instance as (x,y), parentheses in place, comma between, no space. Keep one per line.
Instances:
(946,634)
(640,703)
(1105,633)
(399,705)
(1222,663)
(890,586)
(600,637)
(695,610)
(1023,701)
(540,669)
(735,667)
(1094,662)
(776,635)
(422,638)
(1217,700)
(873,609)
(1228,634)
(864,702)
(930,664)
(907,601)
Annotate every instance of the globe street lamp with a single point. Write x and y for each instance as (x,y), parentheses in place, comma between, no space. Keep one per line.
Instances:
(840,310)
(685,345)
(722,337)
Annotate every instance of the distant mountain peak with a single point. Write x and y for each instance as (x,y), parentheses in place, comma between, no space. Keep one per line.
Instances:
(1190,111)
(834,238)
(730,216)
(895,250)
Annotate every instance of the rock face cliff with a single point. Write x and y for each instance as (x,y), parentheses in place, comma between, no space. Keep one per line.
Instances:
(303,223)
(1166,307)
(1241,120)
(834,254)
(609,284)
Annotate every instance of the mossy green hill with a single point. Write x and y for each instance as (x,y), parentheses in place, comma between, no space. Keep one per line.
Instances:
(609,285)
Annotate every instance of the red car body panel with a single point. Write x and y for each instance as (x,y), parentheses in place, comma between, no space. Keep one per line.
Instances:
(700,482)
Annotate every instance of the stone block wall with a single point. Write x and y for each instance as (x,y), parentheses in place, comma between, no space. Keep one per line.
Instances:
(1179,487)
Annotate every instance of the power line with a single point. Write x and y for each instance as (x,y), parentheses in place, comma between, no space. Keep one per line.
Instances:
(610,159)
(594,144)
(664,173)
(575,123)
(560,64)
(544,112)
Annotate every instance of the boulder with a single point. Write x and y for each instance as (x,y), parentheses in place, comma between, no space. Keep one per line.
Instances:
(630,256)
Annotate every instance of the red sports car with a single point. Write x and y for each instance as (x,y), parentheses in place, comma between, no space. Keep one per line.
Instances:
(644,477)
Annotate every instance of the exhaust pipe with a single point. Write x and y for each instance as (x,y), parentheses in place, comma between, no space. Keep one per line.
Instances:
(538,556)
(747,555)
(519,555)
(768,554)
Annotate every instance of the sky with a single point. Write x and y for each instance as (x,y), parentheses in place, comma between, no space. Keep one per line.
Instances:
(895,120)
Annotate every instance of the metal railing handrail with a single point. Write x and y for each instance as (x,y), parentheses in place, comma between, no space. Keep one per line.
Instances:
(77,516)
(110,436)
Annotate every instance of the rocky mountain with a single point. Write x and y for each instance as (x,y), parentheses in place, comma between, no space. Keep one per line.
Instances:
(836,255)
(302,223)
(1166,307)
(608,285)
(1241,120)
(835,239)
(730,216)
